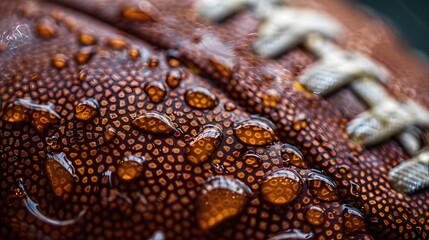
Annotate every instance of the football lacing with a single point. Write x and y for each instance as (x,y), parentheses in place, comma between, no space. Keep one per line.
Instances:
(284,27)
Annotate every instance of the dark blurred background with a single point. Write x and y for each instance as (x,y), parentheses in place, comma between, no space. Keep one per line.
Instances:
(409,17)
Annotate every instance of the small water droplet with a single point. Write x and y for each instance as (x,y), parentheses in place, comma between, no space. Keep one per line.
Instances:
(322,188)
(252,159)
(131,167)
(46,27)
(315,216)
(174,77)
(61,175)
(200,98)
(204,144)
(354,220)
(255,132)
(281,187)
(153,62)
(173,58)
(87,38)
(229,106)
(84,54)
(60,60)
(134,53)
(117,43)
(24,110)
(87,110)
(300,121)
(354,189)
(52,141)
(343,169)
(271,98)
(154,123)
(156,91)
(353,159)
(293,156)
(220,198)
(141,11)
(109,134)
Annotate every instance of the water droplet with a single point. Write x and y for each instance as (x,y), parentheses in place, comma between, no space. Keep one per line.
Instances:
(60,60)
(229,106)
(220,198)
(173,58)
(354,189)
(84,54)
(134,53)
(141,11)
(24,110)
(255,132)
(315,216)
(326,145)
(117,43)
(109,134)
(271,98)
(321,187)
(343,169)
(87,110)
(354,220)
(131,167)
(300,121)
(174,77)
(293,156)
(204,144)
(200,98)
(52,142)
(61,175)
(292,234)
(87,38)
(158,235)
(156,91)
(46,27)
(154,123)
(153,62)
(353,159)
(281,187)
(252,159)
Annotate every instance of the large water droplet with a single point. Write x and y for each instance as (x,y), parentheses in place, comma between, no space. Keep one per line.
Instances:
(292,155)
(87,110)
(60,60)
(46,27)
(255,132)
(271,98)
(154,123)
(52,142)
(141,11)
(281,187)
(315,216)
(84,54)
(24,110)
(221,198)
(321,187)
(109,134)
(61,174)
(156,91)
(174,77)
(292,234)
(252,159)
(354,220)
(131,167)
(204,144)
(200,98)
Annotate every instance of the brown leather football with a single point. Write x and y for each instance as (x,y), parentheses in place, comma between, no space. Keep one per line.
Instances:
(209,119)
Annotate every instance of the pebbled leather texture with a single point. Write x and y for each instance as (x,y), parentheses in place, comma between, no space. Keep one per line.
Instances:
(164,199)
